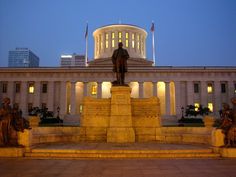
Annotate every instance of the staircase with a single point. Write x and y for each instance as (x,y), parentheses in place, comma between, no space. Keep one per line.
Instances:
(119,153)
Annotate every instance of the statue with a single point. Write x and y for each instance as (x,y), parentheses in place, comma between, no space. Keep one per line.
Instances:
(119,60)
(11,121)
(228,123)
(5,122)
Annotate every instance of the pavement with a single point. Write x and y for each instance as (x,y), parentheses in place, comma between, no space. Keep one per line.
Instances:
(19,167)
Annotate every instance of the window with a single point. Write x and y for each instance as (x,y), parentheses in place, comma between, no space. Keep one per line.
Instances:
(44,88)
(223,88)
(133,40)
(197,105)
(94,90)
(30,107)
(4,87)
(209,88)
(101,43)
(17,87)
(31,88)
(210,106)
(106,44)
(126,39)
(120,36)
(138,42)
(113,40)
(196,88)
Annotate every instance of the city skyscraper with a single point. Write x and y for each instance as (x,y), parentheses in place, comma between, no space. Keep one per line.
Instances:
(22,57)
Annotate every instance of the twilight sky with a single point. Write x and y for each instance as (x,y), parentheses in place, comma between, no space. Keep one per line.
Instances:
(188,32)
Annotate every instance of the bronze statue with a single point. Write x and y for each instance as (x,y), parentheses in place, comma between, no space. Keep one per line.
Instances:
(228,123)
(5,122)
(119,60)
(11,121)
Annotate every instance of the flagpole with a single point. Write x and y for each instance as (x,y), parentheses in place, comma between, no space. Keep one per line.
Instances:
(86,47)
(153,45)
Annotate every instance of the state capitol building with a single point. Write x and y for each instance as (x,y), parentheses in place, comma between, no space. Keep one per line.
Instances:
(65,87)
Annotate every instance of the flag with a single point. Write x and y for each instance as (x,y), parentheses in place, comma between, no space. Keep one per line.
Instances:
(86,31)
(152,27)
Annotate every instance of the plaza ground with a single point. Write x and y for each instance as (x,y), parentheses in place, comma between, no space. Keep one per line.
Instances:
(118,168)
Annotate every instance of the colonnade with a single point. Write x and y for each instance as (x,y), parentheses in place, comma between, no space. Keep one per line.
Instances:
(68,95)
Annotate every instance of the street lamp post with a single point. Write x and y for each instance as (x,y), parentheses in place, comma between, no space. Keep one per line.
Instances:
(58,112)
(182,110)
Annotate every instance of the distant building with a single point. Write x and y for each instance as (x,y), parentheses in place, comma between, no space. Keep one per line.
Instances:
(22,57)
(72,60)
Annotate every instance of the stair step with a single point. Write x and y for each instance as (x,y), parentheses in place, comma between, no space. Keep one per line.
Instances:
(55,153)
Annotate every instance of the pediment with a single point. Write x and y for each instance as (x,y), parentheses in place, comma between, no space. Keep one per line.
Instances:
(103,62)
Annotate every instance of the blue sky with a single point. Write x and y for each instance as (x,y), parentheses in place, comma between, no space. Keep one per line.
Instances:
(188,32)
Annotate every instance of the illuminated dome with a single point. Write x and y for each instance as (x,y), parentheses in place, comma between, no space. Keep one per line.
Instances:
(107,38)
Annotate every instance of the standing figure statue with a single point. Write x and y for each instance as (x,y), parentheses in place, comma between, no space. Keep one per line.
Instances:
(231,135)
(5,122)
(119,60)
(228,123)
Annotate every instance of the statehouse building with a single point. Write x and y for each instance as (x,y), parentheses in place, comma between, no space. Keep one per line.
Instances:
(65,87)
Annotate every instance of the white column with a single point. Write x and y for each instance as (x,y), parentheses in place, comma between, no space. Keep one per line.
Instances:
(217,97)
(50,95)
(230,91)
(11,91)
(73,98)
(99,89)
(167,97)
(85,88)
(190,93)
(23,98)
(178,99)
(154,87)
(140,89)
(63,100)
(37,94)
(203,93)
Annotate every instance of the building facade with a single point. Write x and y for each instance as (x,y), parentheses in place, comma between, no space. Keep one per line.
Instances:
(22,57)
(65,87)
(72,60)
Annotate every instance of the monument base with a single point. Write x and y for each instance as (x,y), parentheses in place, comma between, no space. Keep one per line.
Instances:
(120,135)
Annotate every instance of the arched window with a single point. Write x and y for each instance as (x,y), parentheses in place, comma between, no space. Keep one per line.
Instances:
(120,36)
(107,37)
(132,40)
(126,39)
(113,40)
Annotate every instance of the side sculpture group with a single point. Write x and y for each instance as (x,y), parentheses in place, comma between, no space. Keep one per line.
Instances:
(228,123)
(11,121)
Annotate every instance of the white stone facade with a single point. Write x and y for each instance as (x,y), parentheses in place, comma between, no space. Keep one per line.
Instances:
(67,87)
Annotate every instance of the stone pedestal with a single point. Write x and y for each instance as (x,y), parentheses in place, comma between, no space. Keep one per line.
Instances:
(217,138)
(120,128)
(34,121)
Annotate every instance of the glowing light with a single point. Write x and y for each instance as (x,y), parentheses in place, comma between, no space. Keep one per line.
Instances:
(196,106)
(209,88)
(31,88)
(66,56)
(210,106)
(94,90)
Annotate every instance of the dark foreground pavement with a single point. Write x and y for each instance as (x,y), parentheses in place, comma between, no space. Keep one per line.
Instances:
(118,168)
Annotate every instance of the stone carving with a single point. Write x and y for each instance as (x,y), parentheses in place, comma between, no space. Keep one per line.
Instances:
(228,123)
(119,60)
(11,121)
